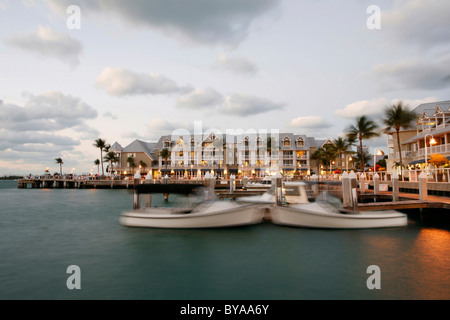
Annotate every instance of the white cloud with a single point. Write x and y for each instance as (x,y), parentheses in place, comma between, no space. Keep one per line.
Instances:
(235,64)
(239,104)
(200,99)
(49,43)
(122,82)
(375,108)
(110,115)
(309,122)
(422,23)
(47,126)
(432,74)
(200,21)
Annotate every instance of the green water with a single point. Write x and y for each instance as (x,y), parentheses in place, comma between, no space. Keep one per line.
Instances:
(42,232)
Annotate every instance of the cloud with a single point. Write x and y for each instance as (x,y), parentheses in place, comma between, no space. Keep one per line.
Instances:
(122,82)
(46,112)
(110,115)
(200,99)
(199,21)
(239,104)
(48,43)
(309,122)
(432,74)
(44,127)
(375,107)
(422,23)
(238,65)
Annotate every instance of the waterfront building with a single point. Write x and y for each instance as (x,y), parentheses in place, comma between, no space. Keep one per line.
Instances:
(431,130)
(252,154)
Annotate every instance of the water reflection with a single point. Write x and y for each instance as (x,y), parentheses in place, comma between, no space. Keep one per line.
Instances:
(432,264)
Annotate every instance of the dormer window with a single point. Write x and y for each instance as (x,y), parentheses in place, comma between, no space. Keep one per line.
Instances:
(286,142)
(300,142)
(167,143)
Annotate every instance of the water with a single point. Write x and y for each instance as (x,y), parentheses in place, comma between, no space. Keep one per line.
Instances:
(45,231)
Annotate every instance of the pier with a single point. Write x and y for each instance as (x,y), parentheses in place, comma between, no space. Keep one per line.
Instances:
(406,196)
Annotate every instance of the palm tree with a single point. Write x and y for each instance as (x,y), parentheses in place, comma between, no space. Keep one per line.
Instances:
(111,158)
(324,156)
(97,163)
(363,129)
(340,147)
(101,144)
(165,154)
(397,117)
(60,162)
(131,162)
(360,161)
(142,164)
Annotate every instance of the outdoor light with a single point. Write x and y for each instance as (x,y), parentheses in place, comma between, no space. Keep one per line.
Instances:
(379,153)
(432,142)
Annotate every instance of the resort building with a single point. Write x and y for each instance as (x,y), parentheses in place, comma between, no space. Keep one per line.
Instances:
(252,155)
(431,130)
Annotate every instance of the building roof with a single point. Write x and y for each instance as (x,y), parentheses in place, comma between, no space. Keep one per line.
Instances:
(141,146)
(424,133)
(116,147)
(430,108)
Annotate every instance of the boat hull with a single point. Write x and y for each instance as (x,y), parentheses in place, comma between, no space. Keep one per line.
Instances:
(310,216)
(161,218)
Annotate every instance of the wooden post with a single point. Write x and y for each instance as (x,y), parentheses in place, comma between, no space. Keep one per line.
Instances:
(376,184)
(395,187)
(423,187)
(136,201)
(232,183)
(279,189)
(148,200)
(362,183)
(315,185)
(346,190)
(355,199)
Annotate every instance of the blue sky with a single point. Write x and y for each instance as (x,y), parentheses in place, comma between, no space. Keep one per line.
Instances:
(140,69)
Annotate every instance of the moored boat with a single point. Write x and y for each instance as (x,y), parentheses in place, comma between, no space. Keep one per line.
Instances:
(325,215)
(199,214)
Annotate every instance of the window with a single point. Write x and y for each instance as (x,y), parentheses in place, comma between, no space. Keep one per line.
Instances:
(300,142)
(259,142)
(246,143)
(287,142)
(166,143)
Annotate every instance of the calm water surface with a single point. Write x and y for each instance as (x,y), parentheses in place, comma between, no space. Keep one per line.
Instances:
(42,232)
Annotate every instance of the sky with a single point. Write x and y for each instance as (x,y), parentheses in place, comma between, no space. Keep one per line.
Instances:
(73,71)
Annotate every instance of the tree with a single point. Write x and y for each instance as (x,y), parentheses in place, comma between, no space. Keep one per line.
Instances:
(111,158)
(60,162)
(324,155)
(142,164)
(165,154)
(363,129)
(396,117)
(101,144)
(361,161)
(97,163)
(131,162)
(340,147)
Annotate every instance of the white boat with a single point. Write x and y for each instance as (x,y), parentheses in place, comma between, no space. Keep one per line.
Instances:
(326,215)
(265,182)
(293,192)
(205,214)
